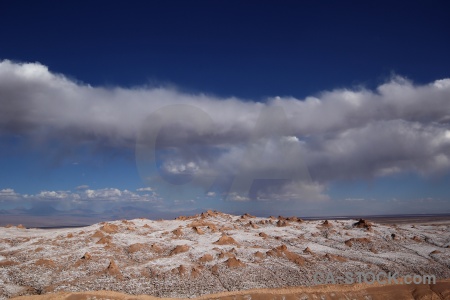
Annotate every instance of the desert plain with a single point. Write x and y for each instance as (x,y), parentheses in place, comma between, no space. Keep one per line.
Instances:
(214,255)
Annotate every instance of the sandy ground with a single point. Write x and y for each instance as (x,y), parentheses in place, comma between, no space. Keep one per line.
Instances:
(440,290)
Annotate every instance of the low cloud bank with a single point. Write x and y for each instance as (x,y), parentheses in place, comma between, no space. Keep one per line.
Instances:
(340,134)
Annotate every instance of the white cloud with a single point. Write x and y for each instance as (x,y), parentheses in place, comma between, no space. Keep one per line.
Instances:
(107,194)
(8,194)
(237,197)
(181,168)
(55,195)
(90,195)
(291,139)
(442,84)
(82,187)
(292,190)
(355,199)
(146,189)
(343,133)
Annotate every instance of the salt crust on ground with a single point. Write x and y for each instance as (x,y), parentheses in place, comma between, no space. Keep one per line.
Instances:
(138,257)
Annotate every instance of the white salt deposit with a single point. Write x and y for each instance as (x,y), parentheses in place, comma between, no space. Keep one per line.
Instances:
(39,261)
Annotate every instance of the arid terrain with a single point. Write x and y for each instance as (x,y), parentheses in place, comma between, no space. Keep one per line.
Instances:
(236,256)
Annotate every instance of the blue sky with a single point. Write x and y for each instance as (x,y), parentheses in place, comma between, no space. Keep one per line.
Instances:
(338,108)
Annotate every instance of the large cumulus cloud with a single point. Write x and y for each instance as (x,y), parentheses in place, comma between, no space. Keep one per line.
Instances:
(303,143)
